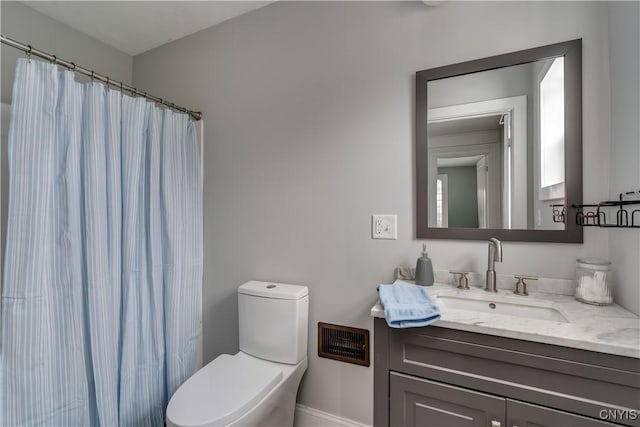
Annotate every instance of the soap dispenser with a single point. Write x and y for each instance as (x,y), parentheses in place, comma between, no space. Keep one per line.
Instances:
(424,269)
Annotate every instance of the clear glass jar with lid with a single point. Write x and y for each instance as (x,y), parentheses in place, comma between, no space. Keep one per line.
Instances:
(593,281)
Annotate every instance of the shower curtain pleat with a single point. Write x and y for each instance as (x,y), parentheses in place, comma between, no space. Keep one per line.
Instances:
(103,263)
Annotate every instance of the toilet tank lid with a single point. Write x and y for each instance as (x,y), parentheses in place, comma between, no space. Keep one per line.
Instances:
(273,290)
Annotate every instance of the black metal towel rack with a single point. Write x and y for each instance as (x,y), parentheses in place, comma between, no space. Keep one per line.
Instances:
(559,213)
(600,214)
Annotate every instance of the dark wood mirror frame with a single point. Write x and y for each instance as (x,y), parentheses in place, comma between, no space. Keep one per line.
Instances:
(572,52)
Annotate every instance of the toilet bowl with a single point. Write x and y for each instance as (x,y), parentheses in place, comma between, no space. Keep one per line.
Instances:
(238,390)
(258,385)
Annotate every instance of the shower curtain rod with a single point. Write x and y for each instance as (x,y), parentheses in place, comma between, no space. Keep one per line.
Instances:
(196,115)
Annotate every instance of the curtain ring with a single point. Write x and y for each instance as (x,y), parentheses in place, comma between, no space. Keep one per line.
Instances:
(108,84)
(92,73)
(29,53)
(55,59)
(74,66)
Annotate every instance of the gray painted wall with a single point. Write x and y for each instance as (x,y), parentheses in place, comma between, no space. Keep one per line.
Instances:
(624,45)
(309,114)
(462,192)
(21,23)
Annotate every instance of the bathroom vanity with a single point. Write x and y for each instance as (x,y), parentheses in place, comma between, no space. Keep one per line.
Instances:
(474,368)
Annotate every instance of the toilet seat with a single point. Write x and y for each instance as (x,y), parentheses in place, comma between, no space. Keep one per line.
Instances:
(222,391)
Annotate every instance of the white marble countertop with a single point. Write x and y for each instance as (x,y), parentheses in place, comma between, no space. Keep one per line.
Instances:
(610,329)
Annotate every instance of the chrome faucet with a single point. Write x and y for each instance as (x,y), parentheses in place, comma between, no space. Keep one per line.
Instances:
(495,254)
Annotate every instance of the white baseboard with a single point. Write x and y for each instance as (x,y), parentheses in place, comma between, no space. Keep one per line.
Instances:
(309,417)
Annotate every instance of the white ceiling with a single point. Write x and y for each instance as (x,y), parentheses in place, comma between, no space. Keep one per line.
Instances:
(134,27)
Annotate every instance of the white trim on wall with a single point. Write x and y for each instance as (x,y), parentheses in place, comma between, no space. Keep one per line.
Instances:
(310,417)
(490,152)
(517,106)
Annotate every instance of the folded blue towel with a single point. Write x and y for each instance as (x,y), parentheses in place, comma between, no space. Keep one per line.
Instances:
(407,306)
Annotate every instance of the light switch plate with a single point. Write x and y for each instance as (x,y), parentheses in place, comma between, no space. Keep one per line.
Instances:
(384,227)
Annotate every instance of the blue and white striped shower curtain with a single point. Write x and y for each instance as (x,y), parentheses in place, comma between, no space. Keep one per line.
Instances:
(103,269)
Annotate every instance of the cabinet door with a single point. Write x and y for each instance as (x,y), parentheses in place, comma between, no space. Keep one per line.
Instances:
(418,402)
(520,414)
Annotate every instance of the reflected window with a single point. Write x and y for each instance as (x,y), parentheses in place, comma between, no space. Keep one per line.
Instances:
(552,125)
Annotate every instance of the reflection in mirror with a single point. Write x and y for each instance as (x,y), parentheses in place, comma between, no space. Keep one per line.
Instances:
(496,147)
(499,147)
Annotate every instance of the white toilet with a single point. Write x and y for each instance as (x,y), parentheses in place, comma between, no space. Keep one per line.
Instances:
(258,385)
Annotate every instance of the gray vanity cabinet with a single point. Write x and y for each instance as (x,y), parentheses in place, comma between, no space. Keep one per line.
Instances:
(417,402)
(435,376)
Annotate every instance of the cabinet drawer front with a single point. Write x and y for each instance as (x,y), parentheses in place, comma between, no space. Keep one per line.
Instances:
(419,402)
(520,414)
(578,387)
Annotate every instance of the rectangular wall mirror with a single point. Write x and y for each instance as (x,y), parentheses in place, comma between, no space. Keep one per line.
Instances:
(499,147)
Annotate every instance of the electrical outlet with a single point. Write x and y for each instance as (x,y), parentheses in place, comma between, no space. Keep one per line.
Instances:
(384,227)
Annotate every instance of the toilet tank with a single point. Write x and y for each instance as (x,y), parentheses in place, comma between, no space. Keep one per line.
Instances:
(273,321)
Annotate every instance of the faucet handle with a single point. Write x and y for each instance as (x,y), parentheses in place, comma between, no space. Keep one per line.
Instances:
(521,281)
(460,277)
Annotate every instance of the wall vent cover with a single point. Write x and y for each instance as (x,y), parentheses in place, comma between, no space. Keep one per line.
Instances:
(343,343)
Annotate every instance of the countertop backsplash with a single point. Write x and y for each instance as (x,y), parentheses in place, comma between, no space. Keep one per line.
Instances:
(503,281)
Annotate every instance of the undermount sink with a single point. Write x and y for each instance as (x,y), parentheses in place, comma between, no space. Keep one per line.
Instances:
(504,308)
